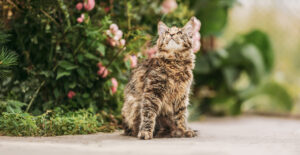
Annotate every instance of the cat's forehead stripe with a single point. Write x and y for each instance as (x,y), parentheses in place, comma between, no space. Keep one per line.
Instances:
(173,30)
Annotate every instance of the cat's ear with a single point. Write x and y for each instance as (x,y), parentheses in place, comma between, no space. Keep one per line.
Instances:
(190,26)
(161,28)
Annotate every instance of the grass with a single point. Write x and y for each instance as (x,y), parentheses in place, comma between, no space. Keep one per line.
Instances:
(55,124)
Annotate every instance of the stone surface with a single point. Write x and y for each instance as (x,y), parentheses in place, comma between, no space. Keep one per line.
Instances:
(225,136)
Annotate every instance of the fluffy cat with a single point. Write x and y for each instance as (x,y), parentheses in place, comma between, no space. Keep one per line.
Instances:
(157,95)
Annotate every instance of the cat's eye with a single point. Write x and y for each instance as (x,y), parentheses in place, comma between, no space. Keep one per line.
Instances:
(179,32)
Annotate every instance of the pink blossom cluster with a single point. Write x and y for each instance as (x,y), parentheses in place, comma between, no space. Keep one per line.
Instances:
(114,86)
(132,60)
(81,18)
(168,6)
(196,36)
(103,72)
(115,36)
(88,5)
(150,52)
(71,94)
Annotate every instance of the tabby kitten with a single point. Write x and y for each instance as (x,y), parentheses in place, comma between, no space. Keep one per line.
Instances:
(157,95)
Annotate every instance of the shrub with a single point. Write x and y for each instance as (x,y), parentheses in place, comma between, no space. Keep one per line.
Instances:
(77,58)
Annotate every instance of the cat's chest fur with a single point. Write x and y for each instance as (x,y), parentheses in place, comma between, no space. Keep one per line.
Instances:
(179,80)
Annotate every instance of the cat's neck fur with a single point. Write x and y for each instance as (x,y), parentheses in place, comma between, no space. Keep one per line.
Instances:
(186,55)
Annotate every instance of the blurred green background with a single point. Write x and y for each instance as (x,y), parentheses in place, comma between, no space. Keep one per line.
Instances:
(281,21)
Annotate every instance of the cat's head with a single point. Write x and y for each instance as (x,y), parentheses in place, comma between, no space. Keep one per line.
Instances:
(176,39)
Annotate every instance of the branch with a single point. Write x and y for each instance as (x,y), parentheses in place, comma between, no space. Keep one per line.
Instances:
(46,14)
(34,96)
(116,55)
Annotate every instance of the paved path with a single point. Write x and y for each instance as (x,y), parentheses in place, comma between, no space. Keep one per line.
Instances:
(233,136)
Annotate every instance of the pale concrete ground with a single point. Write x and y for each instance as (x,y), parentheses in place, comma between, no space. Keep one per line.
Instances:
(225,136)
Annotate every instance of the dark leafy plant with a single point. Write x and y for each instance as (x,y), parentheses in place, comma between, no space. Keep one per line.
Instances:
(236,74)
(8,58)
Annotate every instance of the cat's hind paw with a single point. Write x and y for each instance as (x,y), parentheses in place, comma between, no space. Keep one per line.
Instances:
(190,133)
(146,135)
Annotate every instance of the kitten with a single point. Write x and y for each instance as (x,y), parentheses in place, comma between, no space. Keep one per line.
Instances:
(157,95)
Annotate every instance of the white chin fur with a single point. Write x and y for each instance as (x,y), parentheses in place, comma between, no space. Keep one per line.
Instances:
(172,45)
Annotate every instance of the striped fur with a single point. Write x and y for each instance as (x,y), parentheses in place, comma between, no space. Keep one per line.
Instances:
(157,95)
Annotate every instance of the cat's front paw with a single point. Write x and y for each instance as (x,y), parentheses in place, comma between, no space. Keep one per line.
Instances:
(183,133)
(145,135)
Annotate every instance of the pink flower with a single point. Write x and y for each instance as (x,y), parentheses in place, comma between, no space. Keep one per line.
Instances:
(106,9)
(196,46)
(80,19)
(79,6)
(168,6)
(151,52)
(122,42)
(112,42)
(99,64)
(89,5)
(114,85)
(113,28)
(133,61)
(113,90)
(108,32)
(115,36)
(118,35)
(71,94)
(196,36)
(197,25)
(103,72)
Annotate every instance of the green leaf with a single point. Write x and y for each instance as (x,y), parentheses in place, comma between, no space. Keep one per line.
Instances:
(262,42)
(271,97)
(81,71)
(101,49)
(46,73)
(67,65)
(202,65)
(72,85)
(278,94)
(13,106)
(230,74)
(61,73)
(212,14)
(254,58)
(91,56)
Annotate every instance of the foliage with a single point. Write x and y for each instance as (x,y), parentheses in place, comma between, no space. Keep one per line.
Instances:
(237,73)
(59,55)
(53,123)
(213,15)
(8,58)
(11,106)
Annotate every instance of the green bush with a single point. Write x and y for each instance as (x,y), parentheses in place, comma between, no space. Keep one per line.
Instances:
(59,55)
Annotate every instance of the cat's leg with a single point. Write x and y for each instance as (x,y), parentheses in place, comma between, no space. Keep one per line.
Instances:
(163,127)
(131,114)
(180,119)
(150,109)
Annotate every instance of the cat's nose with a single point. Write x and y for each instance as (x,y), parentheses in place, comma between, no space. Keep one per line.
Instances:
(172,35)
